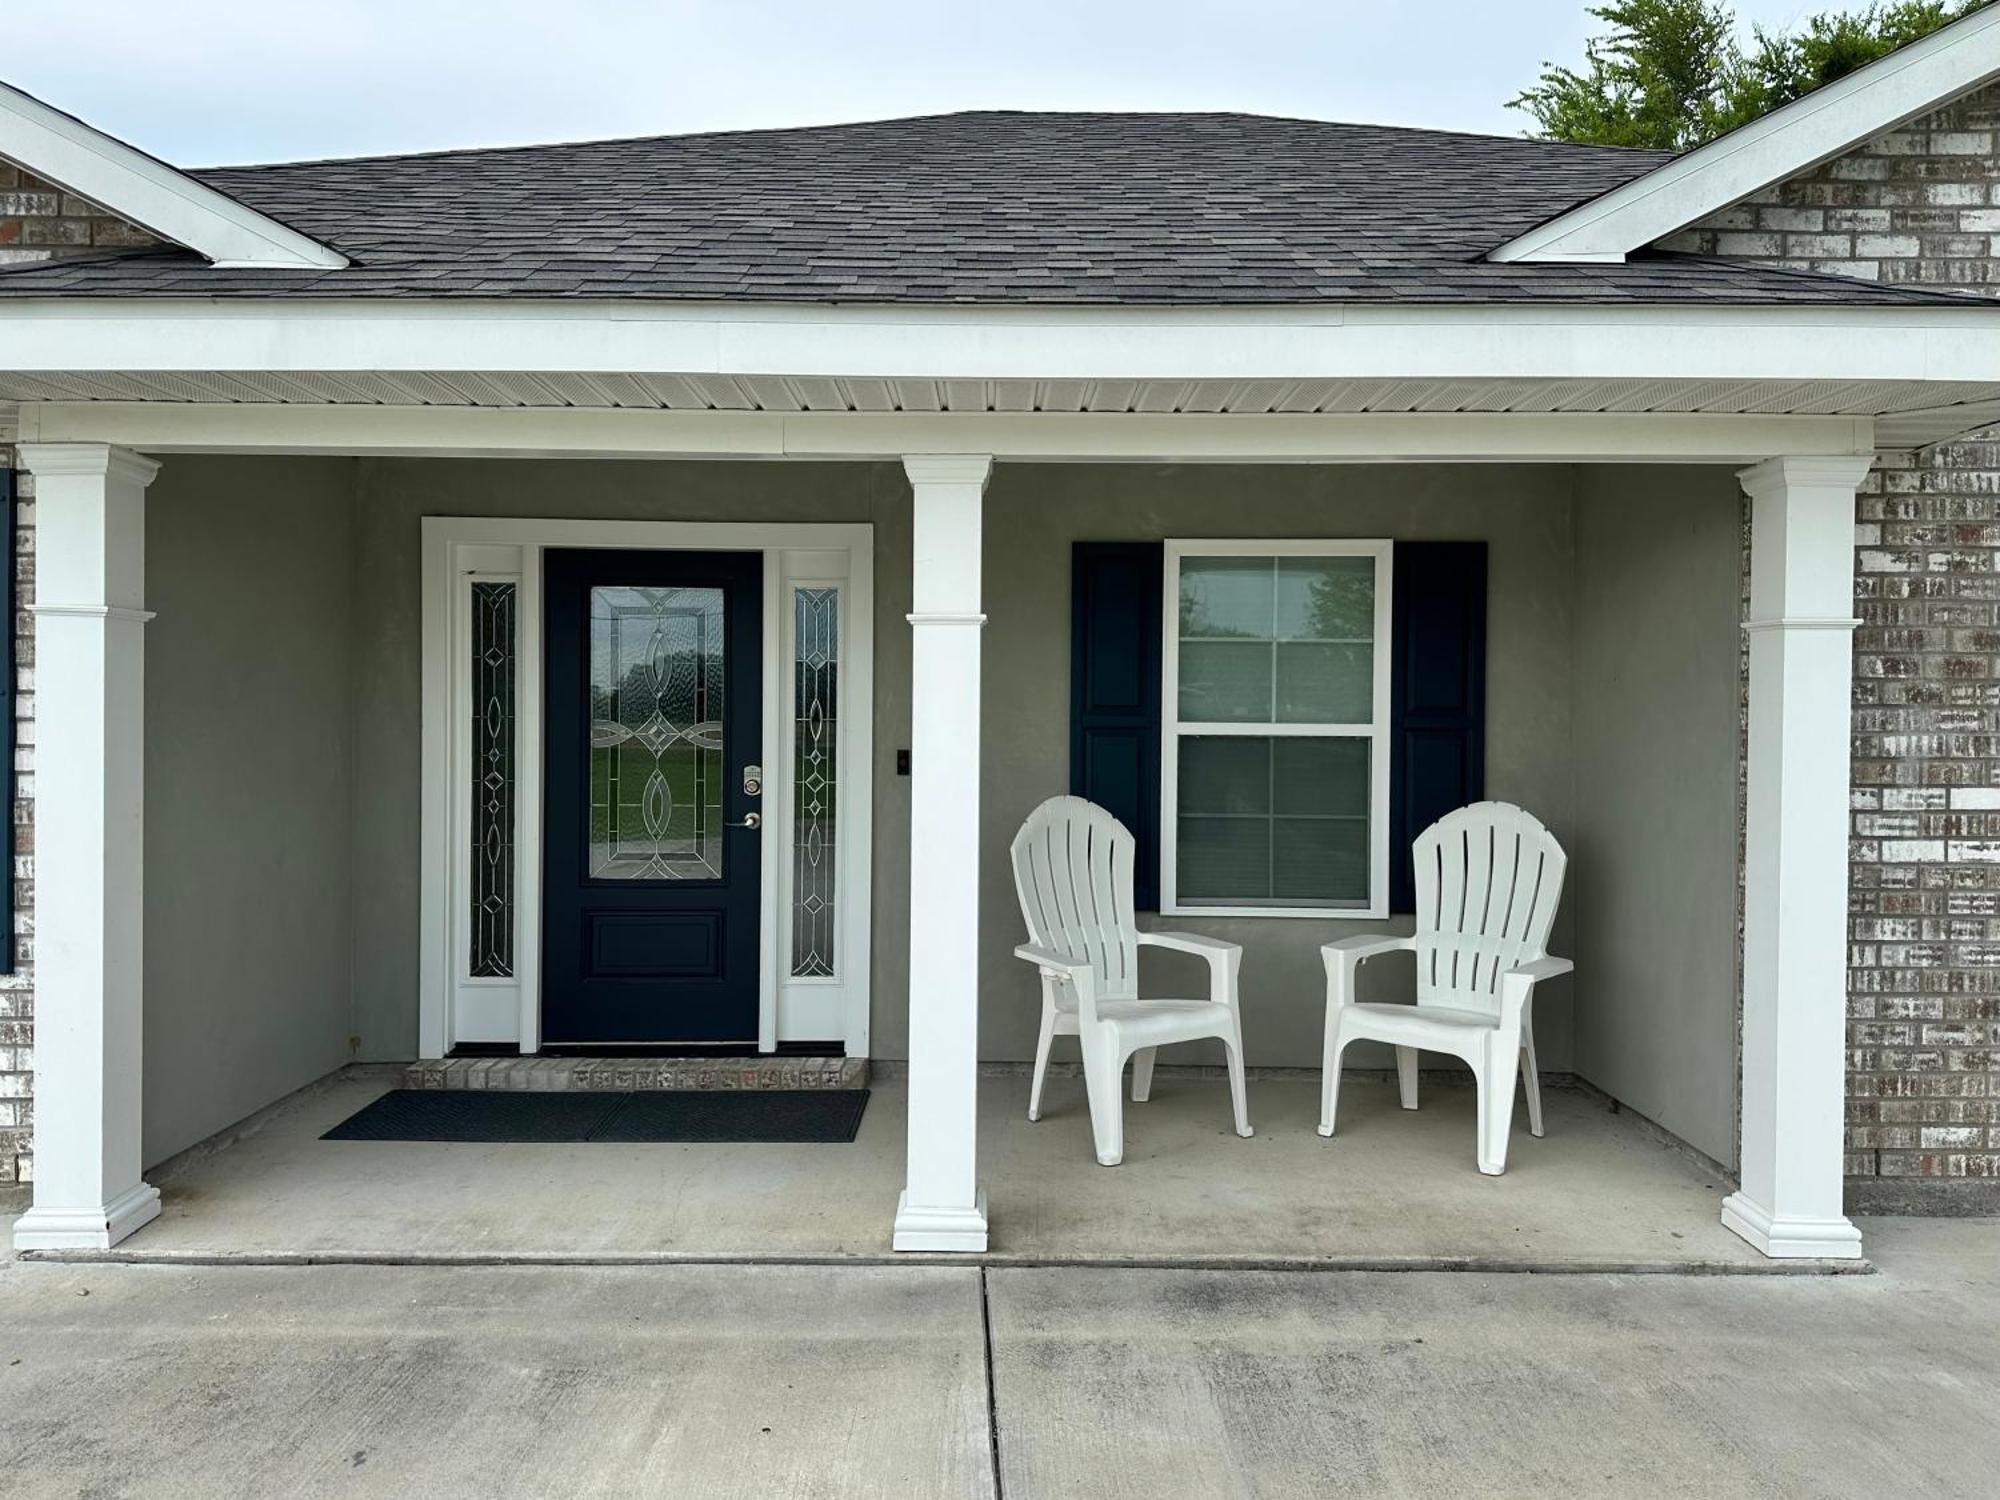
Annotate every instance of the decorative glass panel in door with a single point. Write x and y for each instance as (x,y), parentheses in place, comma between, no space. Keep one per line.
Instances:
(656,702)
(652,810)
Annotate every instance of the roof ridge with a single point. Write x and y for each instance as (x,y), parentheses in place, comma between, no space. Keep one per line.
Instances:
(524,147)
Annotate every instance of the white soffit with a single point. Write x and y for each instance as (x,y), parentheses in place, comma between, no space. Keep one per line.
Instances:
(1867,103)
(555,390)
(147,191)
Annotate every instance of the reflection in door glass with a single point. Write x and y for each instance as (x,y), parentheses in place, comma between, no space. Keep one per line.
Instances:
(656,752)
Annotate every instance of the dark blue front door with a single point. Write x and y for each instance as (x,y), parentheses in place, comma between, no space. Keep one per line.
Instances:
(651,876)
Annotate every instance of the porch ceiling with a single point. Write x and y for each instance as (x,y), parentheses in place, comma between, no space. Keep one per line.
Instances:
(1910,412)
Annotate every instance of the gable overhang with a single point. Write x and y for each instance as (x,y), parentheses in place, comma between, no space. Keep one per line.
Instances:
(810,378)
(1826,123)
(147,192)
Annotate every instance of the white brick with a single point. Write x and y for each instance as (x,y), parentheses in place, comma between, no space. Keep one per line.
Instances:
(1917,851)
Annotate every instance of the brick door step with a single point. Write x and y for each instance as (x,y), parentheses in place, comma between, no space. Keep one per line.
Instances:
(618,1074)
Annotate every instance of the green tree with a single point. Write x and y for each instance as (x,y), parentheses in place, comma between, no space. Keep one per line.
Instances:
(1672,74)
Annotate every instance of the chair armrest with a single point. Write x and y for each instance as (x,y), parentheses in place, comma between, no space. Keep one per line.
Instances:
(1519,982)
(1344,957)
(1059,964)
(1189,942)
(1540,969)
(1225,959)
(1368,945)
(1060,968)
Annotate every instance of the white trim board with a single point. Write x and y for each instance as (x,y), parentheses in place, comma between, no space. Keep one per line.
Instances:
(1868,102)
(1173,728)
(1944,339)
(148,192)
(454,1008)
(445,432)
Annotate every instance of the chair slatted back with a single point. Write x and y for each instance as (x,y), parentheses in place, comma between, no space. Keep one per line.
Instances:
(1489,877)
(1073,873)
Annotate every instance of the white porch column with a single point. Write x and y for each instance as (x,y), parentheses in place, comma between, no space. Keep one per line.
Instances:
(942,1207)
(90,587)
(1795,858)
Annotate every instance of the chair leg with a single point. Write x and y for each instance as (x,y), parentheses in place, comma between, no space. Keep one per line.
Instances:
(1101,1067)
(1498,1065)
(1531,1076)
(1232,1046)
(1142,1074)
(1406,1075)
(1329,1077)
(1042,1049)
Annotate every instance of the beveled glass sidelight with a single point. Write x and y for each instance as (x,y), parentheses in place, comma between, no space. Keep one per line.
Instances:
(656,750)
(492,884)
(816,672)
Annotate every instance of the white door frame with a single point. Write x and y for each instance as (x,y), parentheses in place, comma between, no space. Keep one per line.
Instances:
(453,1006)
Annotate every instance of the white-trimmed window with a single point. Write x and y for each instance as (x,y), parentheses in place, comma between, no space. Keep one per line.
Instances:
(1274,766)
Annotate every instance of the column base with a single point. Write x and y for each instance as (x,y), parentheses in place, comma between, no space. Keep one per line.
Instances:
(961,1229)
(1791,1239)
(43,1228)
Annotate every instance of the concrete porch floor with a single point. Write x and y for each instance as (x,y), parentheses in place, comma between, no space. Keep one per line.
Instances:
(1393,1190)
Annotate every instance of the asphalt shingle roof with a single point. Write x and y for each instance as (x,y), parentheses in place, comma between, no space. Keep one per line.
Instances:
(1165,209)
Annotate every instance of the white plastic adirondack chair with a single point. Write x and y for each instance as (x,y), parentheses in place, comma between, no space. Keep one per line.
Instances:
(1489,877)
(1073,870)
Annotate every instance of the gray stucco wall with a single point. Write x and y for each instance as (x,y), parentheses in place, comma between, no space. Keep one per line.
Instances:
(250,567)
(1652,877)
(1033,514)
(290,613)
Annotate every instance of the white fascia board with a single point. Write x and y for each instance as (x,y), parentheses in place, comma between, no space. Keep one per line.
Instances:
(147,191)
(1940,342)
(595,432)
(1867,103)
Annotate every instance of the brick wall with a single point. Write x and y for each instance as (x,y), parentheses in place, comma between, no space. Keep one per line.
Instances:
(1920,206)
(17,995)
(40,221)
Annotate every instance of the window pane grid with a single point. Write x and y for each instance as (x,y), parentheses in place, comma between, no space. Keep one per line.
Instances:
(1274,723)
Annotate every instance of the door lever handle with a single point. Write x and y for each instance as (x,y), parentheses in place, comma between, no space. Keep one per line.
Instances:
(751,820)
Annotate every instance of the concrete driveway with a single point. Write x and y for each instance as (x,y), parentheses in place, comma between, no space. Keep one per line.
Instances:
(726,1380)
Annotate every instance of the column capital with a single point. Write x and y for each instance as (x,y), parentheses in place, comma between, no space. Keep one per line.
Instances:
(948,468)
(1832,471)
(86,460)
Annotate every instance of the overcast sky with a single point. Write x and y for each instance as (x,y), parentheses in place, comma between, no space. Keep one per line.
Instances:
(203,82)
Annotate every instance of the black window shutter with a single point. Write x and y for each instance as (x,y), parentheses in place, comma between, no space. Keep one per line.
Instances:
(1114,693)
(1437,714)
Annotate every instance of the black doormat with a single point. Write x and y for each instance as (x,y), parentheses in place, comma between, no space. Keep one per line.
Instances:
(507,1115)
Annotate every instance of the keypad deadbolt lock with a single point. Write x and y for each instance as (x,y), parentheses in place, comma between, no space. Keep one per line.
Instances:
(753,781)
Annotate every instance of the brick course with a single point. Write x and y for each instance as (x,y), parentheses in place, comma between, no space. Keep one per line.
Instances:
(39,220)
(17,993)
(1919,206)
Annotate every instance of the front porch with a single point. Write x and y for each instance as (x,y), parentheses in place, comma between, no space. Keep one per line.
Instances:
(1602,1192)
(287,922)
